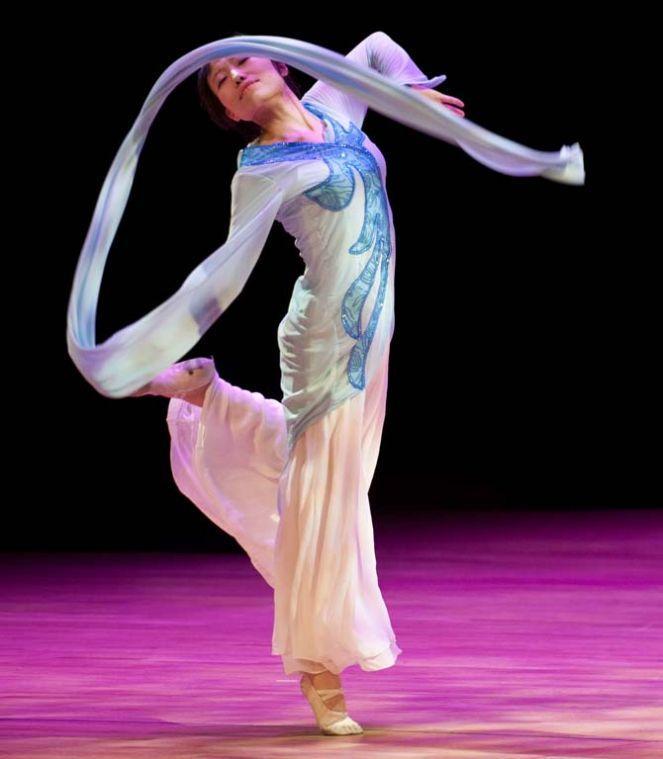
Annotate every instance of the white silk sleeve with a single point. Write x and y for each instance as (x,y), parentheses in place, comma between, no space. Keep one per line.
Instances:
(382,54)
(137,353)
(373,74)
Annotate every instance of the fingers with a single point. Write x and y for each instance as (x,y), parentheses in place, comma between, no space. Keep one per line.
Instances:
(451,99)
(453,103)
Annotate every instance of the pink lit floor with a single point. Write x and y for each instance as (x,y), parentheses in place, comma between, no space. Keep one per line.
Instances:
(522,636)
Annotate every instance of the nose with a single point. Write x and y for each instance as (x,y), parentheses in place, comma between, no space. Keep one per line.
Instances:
(238,78)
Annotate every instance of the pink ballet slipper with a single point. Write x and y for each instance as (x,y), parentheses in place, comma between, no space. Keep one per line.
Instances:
(330,721)
(180,379)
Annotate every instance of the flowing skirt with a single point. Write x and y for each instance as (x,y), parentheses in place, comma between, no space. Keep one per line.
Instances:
(304,520)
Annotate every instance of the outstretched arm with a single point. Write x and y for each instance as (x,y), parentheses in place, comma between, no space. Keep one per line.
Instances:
(134,355)
(381,53)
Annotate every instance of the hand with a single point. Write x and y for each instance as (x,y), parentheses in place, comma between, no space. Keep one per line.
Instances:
(440,97)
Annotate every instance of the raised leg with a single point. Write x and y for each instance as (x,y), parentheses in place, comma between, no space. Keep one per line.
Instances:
(187,380)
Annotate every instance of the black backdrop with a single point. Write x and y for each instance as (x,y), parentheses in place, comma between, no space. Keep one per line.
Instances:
(522,371)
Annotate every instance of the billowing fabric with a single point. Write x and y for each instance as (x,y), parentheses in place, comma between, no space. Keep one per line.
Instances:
(289,479)
(135,354)
(303,519)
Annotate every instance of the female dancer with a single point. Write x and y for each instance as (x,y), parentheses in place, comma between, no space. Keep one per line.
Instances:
(329,612)
(289,480)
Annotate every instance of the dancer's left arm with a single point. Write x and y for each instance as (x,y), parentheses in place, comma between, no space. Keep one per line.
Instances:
(381,53)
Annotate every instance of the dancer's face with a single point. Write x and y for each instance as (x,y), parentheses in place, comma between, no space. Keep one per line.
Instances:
(244,83)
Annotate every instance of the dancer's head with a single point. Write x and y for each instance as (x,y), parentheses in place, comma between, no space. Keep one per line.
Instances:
(229,102)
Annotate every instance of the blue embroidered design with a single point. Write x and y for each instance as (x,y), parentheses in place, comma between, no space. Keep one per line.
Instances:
(343,153)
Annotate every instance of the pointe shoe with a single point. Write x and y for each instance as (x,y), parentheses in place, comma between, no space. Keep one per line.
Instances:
(330,721)
(180,379)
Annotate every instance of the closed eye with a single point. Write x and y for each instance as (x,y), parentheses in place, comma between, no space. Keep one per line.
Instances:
(223,78)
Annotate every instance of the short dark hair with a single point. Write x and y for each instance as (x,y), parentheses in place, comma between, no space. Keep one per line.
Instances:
(216,111)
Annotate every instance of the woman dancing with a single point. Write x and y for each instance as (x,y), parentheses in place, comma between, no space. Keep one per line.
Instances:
(289,479)
(329,612)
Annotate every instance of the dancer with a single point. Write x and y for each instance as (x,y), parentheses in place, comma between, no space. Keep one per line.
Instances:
(289,479)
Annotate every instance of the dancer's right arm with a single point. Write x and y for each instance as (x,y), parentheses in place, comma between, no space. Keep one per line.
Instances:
(135,354)
(255,201)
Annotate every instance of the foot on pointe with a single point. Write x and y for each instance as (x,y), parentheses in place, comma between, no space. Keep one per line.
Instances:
(330,721)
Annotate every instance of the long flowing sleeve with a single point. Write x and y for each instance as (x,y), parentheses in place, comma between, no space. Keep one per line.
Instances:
(373,74)
(381,53)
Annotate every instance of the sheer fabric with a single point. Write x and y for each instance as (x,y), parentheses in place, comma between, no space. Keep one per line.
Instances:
(289,478)
(138,352)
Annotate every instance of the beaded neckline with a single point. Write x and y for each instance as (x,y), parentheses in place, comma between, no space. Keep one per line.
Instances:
(313,110)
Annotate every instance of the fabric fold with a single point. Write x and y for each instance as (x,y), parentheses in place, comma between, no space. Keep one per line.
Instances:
(138,352)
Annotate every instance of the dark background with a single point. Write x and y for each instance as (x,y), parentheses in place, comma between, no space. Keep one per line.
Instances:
(523,371)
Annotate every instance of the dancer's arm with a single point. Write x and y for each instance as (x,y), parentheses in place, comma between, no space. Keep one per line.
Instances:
(134,355)
(381,53)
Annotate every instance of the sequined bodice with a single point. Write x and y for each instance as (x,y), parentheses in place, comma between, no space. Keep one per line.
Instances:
(336,139)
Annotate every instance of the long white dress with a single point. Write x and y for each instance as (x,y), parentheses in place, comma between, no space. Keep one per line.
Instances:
(289,479)
(301,468)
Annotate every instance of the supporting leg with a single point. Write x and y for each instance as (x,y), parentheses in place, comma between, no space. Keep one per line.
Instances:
(327,679)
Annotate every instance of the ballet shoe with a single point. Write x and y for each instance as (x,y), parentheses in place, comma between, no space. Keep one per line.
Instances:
(180,379)
(330,721)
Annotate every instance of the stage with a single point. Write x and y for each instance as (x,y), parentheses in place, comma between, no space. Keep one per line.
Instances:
(522,636)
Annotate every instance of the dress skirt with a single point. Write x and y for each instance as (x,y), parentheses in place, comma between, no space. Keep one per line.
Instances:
(303,519)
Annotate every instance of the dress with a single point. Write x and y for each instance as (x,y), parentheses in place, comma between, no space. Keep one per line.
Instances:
(313,454)
(135,354)
(289,479)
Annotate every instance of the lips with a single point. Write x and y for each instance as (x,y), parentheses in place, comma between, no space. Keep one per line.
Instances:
(248,84)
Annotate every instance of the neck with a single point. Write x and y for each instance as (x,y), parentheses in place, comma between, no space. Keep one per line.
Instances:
(288,119)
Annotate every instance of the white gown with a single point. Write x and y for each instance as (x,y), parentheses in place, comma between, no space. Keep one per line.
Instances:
(289,479)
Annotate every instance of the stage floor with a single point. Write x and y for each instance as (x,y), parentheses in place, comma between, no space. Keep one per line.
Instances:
(522,636)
